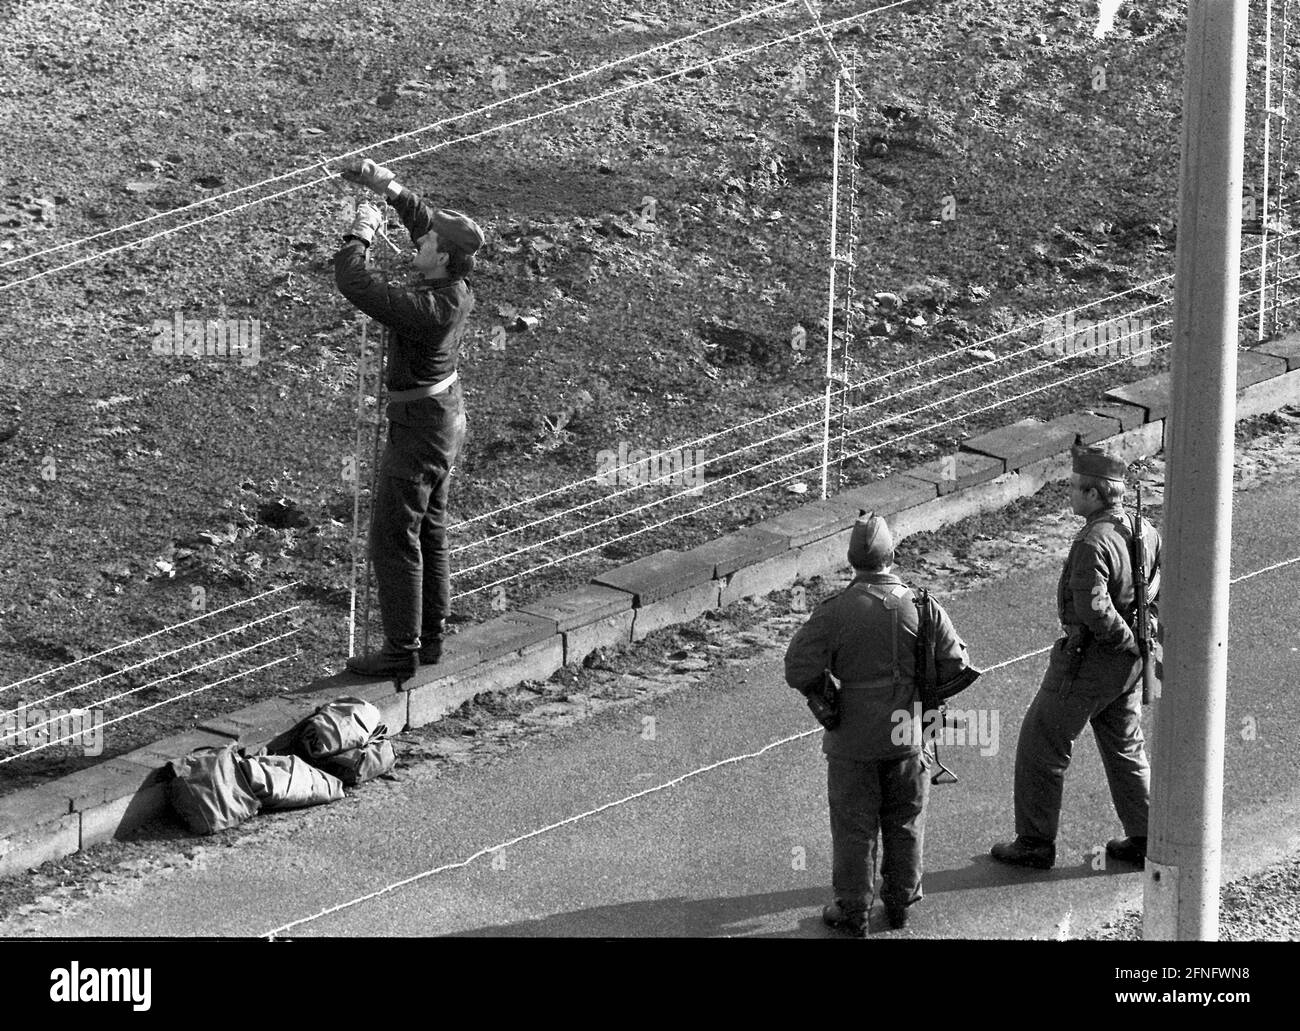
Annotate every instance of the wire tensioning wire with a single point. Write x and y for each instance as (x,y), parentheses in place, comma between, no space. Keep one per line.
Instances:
(892,419)
(802,472)
(158,705)
(663,477)
(146,637)
(150,661)
(100,703)
(1097,346)
(818,398)
(1036,346)
(404,135)
(638,84)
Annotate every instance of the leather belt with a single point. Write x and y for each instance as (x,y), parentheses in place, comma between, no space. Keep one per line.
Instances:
(416,393)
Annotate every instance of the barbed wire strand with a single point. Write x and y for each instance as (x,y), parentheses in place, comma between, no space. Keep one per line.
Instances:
(597,479)
(100,703)
(149,661)
(146,637)
(665,477)
(158,705)
(802,472)
(324,162)
(639,84)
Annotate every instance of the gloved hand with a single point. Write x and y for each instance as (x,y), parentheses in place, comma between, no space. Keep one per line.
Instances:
(366,223)
(367,173)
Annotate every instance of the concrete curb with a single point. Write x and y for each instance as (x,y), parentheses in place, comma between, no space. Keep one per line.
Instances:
(627,603)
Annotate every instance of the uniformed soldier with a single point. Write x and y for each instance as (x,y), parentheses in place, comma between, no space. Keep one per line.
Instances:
(876,779)
(426,412)
(1094,674)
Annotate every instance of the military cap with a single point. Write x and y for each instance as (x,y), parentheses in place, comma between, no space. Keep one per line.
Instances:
(1093,461)
(870,543)
(457,228)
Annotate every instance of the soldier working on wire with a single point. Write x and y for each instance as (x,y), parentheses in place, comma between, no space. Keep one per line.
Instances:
(426,412)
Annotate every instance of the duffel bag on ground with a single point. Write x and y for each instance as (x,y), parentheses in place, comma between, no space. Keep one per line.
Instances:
(338,726)
(358,765)
(210,789)
(288,782)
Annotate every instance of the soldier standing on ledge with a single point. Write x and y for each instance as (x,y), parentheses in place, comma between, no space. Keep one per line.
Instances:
(1094,675)
(876,779)
(426,412)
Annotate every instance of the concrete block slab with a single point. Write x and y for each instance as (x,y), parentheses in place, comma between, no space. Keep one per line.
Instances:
(1089,425)
(590,603)
(748,547)
(342,683)
(37,843)
(883,497)
(434,699)
(676,608)
(657,576)
(105,782)
(754,581)
(1287,348)
(258,725)
(1129,417)
(955,472)
(611,632)
(1022,443)
(953,508)
(504,634)
(1269,395)
(160,753)
(811,522)
(1254,367)
(1142,442)
(1150,394)
(121,817)
(31,806)
(828,555)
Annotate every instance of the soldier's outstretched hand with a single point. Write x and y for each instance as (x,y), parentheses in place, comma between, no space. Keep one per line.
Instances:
(366,172)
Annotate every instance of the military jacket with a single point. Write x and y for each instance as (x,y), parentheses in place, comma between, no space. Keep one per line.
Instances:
(427,321)
(866,636)
(1095,590)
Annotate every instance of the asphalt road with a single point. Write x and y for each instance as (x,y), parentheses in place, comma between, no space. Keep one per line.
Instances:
(742,848)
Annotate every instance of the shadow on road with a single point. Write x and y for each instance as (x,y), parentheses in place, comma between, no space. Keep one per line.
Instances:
(752,915)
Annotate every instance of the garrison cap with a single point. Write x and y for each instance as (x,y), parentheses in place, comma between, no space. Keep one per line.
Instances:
(870,543)
(1093,461)
(457,228)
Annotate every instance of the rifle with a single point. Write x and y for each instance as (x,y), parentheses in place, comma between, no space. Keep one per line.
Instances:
(1142,605)
(934,696)
(824,700)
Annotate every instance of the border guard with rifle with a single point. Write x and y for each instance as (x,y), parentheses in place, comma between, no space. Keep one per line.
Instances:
(1093,676)
(856,662)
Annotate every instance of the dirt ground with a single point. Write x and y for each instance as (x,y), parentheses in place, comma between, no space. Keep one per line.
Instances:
(138,490)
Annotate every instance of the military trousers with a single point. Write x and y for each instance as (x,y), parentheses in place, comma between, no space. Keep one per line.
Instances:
(1102,687)
(873,798)
(408,526)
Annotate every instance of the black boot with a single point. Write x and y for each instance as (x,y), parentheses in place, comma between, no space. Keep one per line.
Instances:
(1128,850)
(390,661)
(431,642)
(1025,851)
(842,918)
